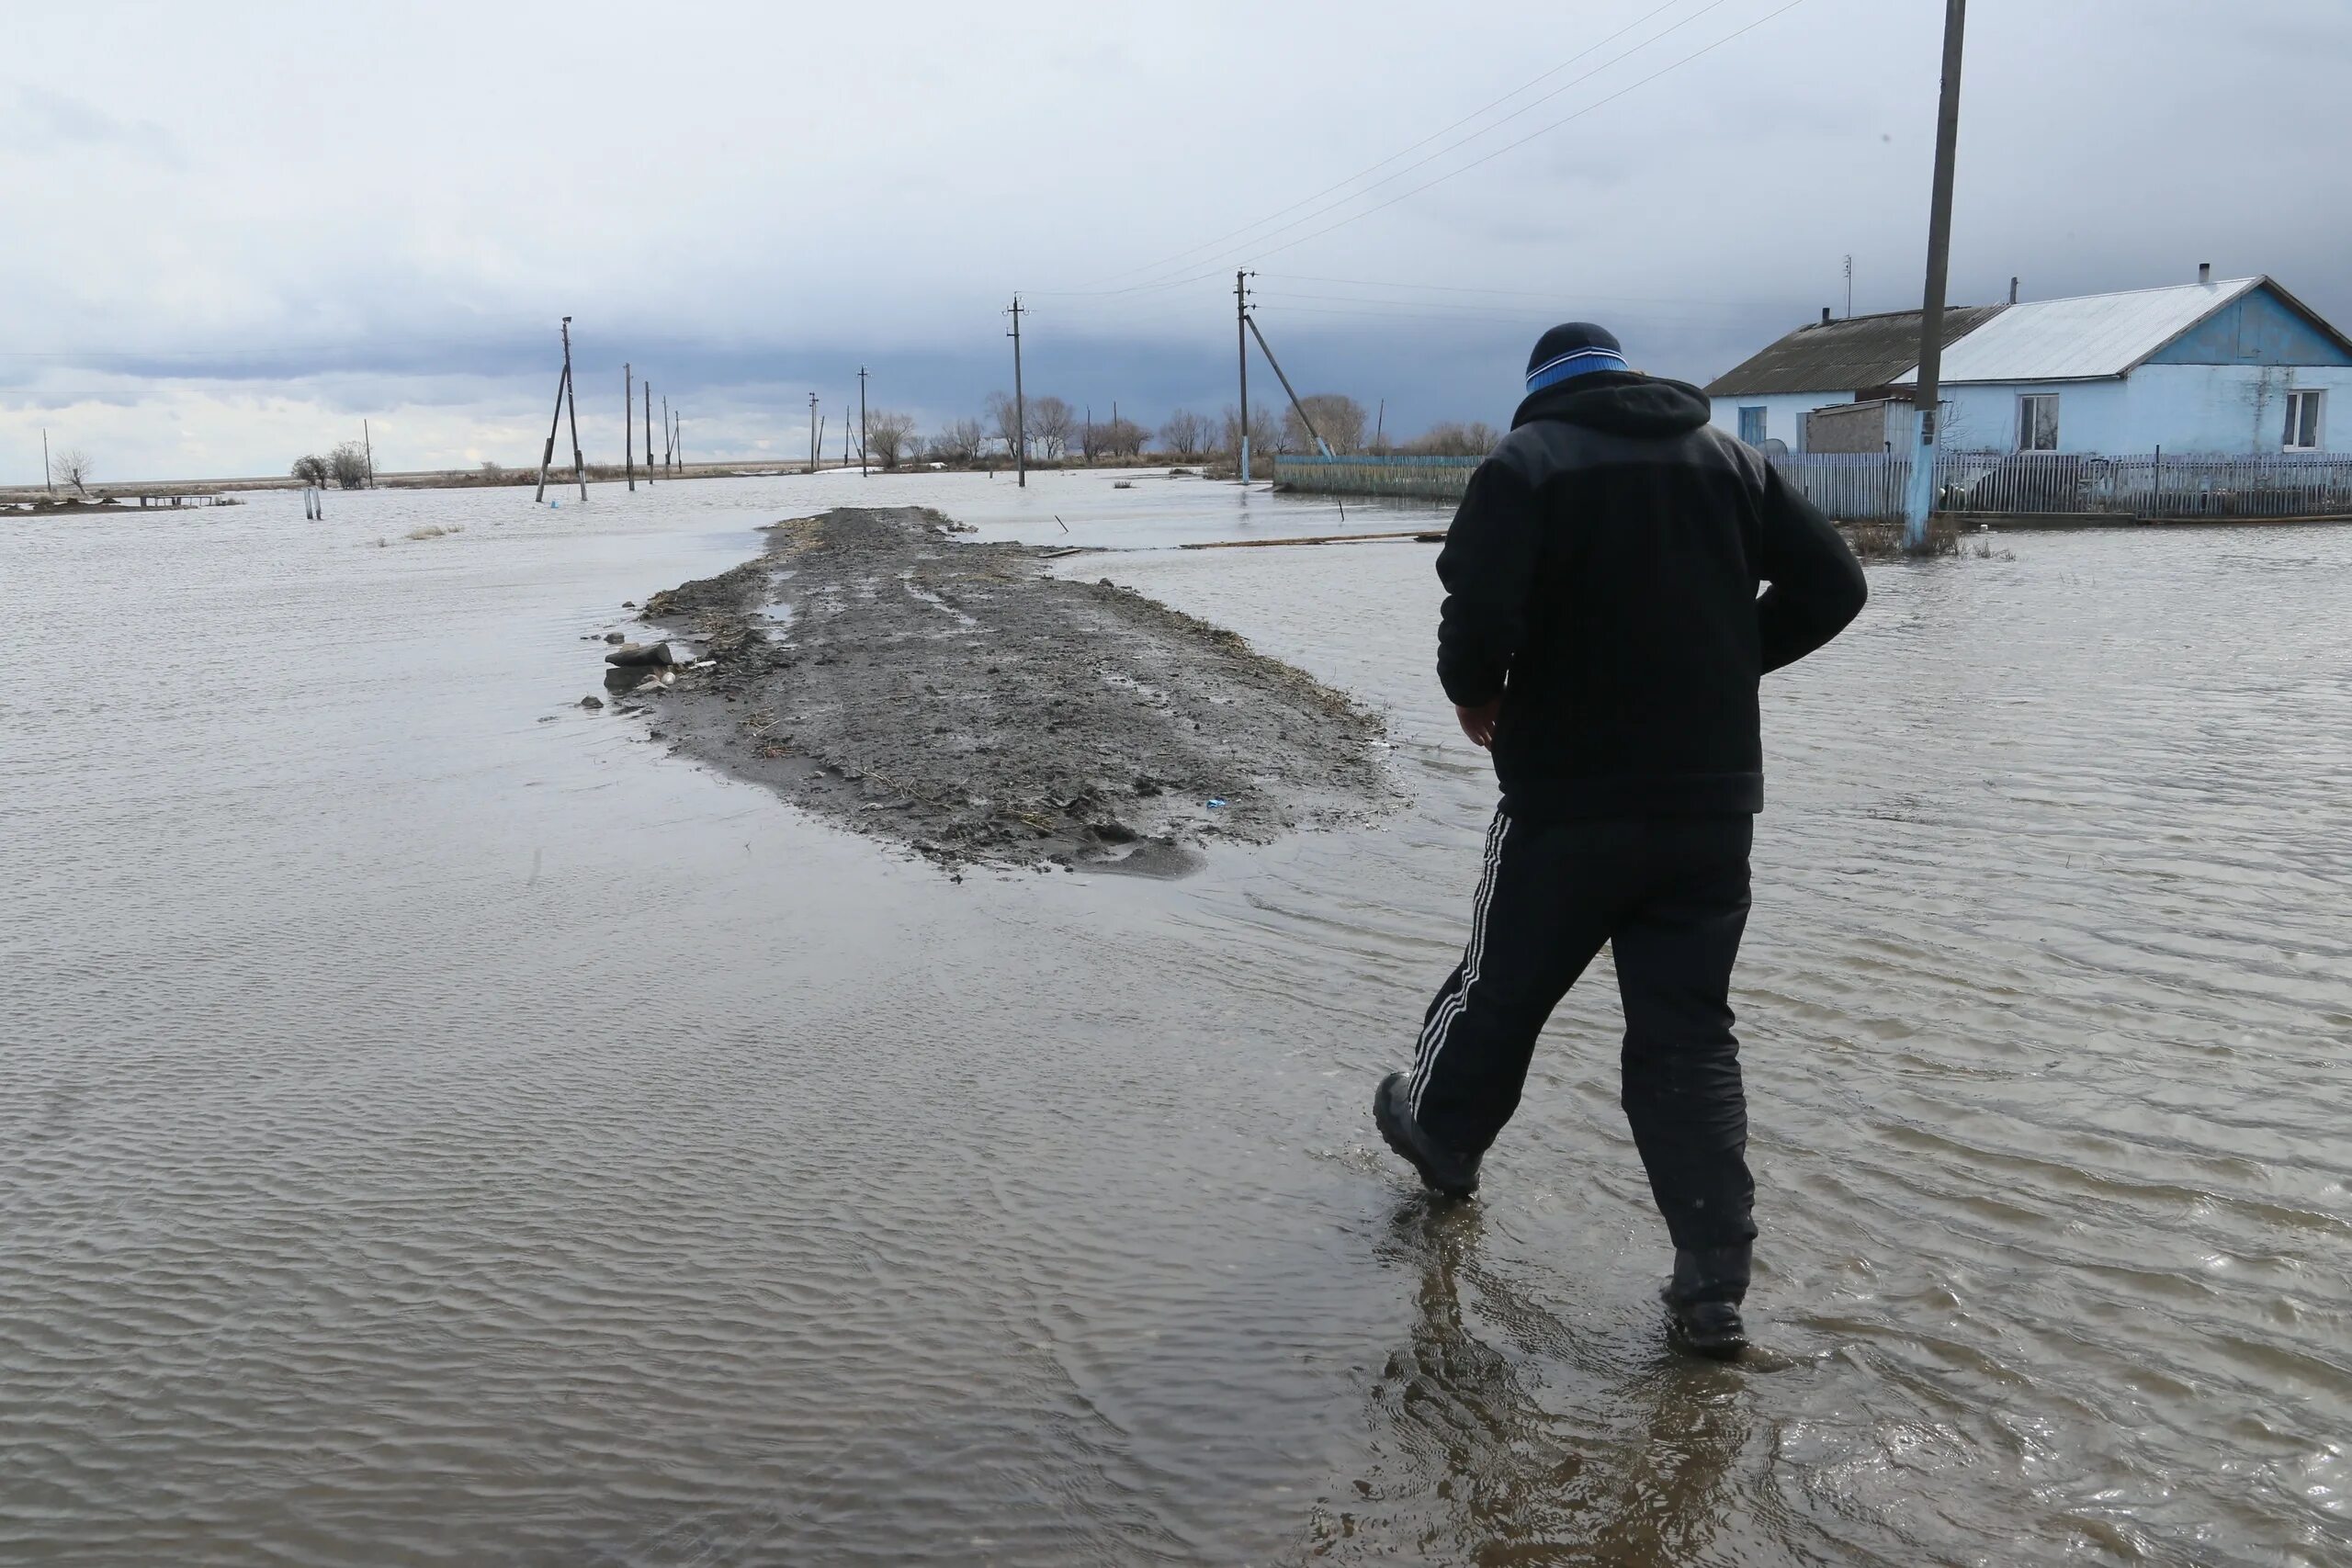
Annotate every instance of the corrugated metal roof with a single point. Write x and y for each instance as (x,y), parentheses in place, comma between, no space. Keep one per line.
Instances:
(2088,338)
(1851,354)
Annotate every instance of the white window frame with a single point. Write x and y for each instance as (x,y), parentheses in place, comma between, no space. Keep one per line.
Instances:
(2297,400)
(2025,405)
(1763,412)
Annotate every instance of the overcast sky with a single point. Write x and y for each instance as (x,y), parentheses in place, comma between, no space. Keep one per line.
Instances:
(237,229)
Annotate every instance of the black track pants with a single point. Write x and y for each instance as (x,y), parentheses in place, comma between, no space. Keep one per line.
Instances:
(1670,896)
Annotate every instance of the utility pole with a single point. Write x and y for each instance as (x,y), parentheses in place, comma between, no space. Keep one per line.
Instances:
(668,463)
(648,436)
(1849,286)
(48,479)
(812,433)
(1020,405)
(628,425)
(1321,444)
(555,421)
(861,422)
(1922,499)
(571,407)
(678,439)
(1380,425)
(1242,345)
(367,440)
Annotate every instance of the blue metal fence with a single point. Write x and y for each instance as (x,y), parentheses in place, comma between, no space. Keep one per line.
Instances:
(1426,478)
(1868,487)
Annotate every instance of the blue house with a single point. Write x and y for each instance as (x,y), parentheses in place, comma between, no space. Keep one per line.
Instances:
(2237,365)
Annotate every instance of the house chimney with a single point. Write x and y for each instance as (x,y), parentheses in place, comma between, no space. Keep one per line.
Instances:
(2013,289)
(1825,315)
(2204,271)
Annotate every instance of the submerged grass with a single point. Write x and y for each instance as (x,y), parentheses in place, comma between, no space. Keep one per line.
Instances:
(1883,541)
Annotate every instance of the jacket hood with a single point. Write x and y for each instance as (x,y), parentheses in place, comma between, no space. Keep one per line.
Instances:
(1622,402)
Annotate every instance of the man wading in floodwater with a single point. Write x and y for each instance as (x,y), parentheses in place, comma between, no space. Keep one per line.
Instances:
(1603,637)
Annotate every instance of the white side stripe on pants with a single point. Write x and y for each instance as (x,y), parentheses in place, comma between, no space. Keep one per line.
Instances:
(1439,1027)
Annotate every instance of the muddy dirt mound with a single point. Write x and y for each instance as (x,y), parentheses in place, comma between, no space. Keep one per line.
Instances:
(957,699)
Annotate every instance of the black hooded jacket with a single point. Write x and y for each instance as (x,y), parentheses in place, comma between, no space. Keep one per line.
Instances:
(1601,576)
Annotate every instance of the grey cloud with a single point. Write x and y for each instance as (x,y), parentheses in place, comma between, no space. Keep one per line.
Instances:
(47,121)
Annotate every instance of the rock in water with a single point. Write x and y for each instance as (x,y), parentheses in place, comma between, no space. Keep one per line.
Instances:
(592,702)
(658,653)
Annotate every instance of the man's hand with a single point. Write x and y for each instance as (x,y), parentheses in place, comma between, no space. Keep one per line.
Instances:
(1479,723)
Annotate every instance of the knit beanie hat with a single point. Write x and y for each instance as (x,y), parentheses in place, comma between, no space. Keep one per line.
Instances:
(1572,348)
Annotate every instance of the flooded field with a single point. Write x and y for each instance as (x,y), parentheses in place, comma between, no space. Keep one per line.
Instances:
(437,1125)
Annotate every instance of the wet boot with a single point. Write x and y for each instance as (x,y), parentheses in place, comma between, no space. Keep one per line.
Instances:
(1703,1300)
(1443,1172)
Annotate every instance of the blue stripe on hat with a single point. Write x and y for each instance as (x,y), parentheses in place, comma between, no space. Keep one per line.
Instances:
(1577,362)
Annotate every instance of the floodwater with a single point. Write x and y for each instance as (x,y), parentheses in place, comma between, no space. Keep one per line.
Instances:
(437,1126)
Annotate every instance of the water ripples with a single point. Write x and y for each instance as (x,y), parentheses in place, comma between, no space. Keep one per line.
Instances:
(433,1133)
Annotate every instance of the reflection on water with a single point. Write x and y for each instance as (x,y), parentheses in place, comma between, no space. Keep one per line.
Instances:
(435,1123)
(1486,1463)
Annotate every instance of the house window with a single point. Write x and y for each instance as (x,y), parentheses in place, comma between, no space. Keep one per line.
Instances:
(2302,421)
(1751,426)
(2038,421)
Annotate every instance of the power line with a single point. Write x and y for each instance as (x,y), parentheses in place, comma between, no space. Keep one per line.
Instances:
(1180,258)
(1446,131)
(1542,130)
(1551,297)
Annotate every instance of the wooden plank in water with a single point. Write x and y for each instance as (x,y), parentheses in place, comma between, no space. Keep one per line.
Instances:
(1420,537)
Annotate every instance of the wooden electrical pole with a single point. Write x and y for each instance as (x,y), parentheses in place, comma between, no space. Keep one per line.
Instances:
(649,434)
(1314,435)
(861,422)
(628,425)
(48,478)
(812,433)
(367,440)
(555,421)
(1020,405)
(678,439)
(1921,500)
(1242,345)
(668,466)
(571,407)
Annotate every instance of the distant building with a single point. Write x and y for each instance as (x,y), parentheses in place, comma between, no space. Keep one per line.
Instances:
(2237,365)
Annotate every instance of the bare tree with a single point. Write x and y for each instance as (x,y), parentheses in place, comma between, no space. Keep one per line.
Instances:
(348,463)
(1122,438)
(1265,434)
(1004,420)
(1451,438)
(312,470)
(1187,433)
(959,441)
(889,437)
(1339,419)
(72,465)
(1052,423)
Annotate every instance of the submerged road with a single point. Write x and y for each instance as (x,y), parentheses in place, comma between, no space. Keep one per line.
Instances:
(441,1125)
